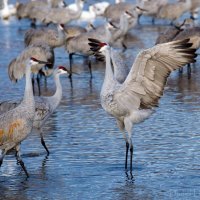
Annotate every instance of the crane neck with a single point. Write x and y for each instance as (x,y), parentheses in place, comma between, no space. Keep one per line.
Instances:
(109,75)
(61,36)
(56,98)
(108,35)
(124,23)
(28,94)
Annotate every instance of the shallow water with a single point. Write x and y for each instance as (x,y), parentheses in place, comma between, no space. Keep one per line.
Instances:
(87,150)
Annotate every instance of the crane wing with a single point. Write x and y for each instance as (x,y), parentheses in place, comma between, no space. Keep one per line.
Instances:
(16,68)
(149,73)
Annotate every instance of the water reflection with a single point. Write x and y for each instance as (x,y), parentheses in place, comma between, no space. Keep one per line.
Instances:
(87,150)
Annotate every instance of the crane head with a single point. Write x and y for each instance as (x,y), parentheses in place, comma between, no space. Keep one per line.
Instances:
(98,48)
(62,70)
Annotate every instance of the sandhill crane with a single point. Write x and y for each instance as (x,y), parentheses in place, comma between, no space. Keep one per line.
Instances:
(7,10)
(16,124)
(114,11)
(50,37)
(195,7)
(183,31)
(79,44)
(73,30)
(24,9)
(171,32)
(40,51)
(29,9)
(151,7)
(134,100)
(194,34)
(58,15)
(172,11)
(44,105)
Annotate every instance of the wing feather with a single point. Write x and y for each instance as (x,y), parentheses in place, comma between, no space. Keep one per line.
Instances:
(146,80)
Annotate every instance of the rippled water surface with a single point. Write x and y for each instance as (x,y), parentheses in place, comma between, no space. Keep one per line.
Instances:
(87,150)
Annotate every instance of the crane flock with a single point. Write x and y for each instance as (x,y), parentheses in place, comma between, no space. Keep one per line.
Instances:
(129,95)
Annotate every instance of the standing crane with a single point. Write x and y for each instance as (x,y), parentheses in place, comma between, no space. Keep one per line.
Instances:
(44,106)
(133,101)
(48,36)
(16,124)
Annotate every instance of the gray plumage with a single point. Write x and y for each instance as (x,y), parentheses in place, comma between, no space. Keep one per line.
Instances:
(26,10)
(58,15)
(172,11)
(79,44)
(114,11)
(168,35)
(44,106)
(193,34)
(134,100)
(16,124)
(40,51)
(47,36)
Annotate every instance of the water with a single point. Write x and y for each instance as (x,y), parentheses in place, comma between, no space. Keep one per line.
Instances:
(87,150)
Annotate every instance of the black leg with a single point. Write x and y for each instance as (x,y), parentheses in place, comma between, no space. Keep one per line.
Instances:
(131,159)
(153,21)
(70,64)
(2,156)
(180,70)
(38,84)
(126,158)
(124,47)
(33,23)
(19,160)
(44,145)
(189,71)
(138,20)
(23,167)
(90,68)
(1,161)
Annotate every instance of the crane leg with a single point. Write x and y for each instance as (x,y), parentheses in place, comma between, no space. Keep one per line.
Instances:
(180,70)
(33,23)
(189,71)
(70,64)
(38,84)
(138,19)
(43,143)
(121,127)
(153,21)
(3,153)
(131,155)
(19,160)
(128,126)
(90,68)
(124,47)
(126,158)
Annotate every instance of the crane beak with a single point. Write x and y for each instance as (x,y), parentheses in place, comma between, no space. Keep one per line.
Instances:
(44,62)
(72,72)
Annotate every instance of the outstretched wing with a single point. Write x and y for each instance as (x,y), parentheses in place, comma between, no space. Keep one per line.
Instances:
(145,82)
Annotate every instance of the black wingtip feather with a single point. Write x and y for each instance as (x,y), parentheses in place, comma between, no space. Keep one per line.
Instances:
(94,40)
